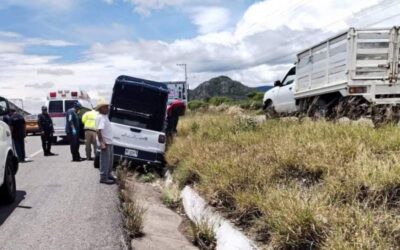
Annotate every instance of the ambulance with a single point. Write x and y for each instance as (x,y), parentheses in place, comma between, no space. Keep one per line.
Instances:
(59,102)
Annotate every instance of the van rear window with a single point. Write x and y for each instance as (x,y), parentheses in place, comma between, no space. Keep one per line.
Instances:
(138,106)
(56,107)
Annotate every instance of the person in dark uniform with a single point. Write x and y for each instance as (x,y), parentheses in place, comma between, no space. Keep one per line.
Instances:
(17,126)
(47,130)
(72,129)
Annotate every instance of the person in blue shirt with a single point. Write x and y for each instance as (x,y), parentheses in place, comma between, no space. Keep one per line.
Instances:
(72,129)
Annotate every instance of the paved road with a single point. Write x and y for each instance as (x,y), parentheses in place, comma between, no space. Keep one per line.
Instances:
(60,205)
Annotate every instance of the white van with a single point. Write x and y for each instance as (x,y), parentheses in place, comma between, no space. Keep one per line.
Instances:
(59,102)
(137,115)
(8,159)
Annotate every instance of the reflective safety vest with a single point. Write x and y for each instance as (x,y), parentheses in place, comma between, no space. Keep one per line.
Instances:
(89,120)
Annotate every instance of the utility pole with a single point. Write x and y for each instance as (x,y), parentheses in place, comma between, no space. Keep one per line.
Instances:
(184,65)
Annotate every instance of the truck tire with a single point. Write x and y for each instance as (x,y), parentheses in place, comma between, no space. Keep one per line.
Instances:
(8,189)
(270,110)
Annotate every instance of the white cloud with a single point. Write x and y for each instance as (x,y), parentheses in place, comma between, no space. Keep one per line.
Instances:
(55,71)
(144,7)
(210,19)
(53,4)
(46,42)
(45,85)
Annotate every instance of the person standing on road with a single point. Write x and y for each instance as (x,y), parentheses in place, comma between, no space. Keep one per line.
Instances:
(89,122)
(47,130)
(17,126)
(105,135)
(72,130)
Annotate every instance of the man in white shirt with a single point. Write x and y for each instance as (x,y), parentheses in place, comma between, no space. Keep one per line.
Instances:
(104,134)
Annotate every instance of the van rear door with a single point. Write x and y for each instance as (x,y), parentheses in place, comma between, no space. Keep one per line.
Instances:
(57,114)
(137,114)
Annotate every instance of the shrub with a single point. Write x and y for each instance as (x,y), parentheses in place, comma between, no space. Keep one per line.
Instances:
(196,104)
(218,100)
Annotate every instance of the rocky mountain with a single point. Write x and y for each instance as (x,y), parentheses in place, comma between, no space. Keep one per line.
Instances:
(220,86)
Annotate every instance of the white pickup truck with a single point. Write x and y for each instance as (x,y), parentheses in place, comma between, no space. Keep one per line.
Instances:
(345,75)
(8,160)
(137,115)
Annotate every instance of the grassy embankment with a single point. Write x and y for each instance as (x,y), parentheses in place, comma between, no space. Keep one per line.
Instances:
(309,185)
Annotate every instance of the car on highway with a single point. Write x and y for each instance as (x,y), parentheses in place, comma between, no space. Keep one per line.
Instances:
(8,159)
(32,125)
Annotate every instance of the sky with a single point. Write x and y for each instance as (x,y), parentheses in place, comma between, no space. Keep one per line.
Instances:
(49,45)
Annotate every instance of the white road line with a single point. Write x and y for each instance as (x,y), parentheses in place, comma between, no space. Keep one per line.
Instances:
(36,153)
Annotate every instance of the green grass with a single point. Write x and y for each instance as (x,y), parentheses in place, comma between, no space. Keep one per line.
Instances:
(317,185)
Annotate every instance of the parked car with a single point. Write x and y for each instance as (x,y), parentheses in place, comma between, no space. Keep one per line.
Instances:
(32,125)
(8,159)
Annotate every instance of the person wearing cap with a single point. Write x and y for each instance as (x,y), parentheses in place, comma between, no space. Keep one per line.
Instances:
(105,135)
(72,130)
(47,130)
(89,123)
(17,126)
(175,109)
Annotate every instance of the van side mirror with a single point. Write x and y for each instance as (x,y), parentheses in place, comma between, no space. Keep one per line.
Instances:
(4,109)
(278,83)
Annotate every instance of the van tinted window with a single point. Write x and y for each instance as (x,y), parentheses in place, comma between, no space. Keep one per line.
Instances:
(69,104)
(138,106)
(56,107)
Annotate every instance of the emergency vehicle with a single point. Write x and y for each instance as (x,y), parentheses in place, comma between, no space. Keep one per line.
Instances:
(59,102)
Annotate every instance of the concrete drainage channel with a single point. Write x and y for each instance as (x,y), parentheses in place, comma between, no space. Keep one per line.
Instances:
(227,236)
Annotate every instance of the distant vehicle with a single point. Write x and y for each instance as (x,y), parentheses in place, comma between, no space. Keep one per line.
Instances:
(137,115)
(280,99)
(32,125)
(59,102)
(177,90)
(8,159)
(355,73)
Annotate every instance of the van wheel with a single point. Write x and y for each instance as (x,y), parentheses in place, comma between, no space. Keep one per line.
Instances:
(54,139)
(270,111)
(96,162)
(8,189)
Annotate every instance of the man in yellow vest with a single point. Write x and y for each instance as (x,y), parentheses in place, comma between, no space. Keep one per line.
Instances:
(89,122)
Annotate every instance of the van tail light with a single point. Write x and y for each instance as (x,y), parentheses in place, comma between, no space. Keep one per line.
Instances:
(53,94)
(74,94)
(162,139)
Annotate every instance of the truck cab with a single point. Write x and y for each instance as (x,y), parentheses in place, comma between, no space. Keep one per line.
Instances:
(137,115)
(8,159)
(280,99)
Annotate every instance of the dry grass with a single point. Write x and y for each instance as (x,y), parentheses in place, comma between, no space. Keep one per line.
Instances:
(203,235)
(133,212)
(296,185)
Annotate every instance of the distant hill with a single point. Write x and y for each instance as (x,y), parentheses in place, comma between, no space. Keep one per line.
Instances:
(264,88)
(221,86)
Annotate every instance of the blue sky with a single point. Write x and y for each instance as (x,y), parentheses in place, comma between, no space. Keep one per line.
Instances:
(91,21)
(86,44)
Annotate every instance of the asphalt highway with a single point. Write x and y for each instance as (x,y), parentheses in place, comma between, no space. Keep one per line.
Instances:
(60,205)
